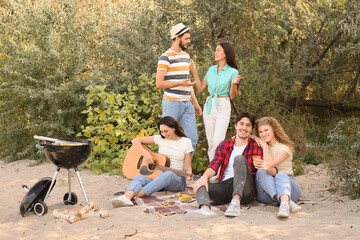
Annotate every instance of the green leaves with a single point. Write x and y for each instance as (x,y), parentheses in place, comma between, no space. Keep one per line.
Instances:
(42,91)
(344,164)
(115,119)
(291,54)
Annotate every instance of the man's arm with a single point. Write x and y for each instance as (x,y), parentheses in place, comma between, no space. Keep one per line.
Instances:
(203,181)
(195,103)
(162,84)
(210,172)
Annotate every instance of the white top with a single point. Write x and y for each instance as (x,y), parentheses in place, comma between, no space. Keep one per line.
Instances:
(285,166)
(229,171)
(175,150)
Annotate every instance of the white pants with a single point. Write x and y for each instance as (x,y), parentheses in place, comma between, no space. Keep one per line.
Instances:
(216,123)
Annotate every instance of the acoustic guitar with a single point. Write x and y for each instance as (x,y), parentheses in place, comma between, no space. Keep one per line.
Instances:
(134,164)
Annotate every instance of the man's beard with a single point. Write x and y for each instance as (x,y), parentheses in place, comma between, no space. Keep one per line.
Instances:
(242,136)
(181,45)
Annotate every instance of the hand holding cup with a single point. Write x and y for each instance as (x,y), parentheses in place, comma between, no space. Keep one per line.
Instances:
(257,160)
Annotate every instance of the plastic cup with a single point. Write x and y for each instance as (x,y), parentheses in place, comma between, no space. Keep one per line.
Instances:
(257,159)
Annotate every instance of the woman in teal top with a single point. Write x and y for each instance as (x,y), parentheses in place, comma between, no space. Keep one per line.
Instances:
(221,81)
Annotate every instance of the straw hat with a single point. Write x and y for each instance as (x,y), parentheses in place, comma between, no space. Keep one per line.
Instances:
(178,29)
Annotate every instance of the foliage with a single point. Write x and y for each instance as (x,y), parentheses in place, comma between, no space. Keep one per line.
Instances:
(42,91)
(298,167)
(299,59)
(114,119)
(344,167)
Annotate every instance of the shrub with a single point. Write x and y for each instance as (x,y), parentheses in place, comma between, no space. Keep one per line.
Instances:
(114,119)
(344,166)
(42,61)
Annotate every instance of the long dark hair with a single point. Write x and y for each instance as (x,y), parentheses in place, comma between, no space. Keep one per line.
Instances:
(230,54)
(171,123)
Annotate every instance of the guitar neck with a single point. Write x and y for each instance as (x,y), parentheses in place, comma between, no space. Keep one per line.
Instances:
(177,172)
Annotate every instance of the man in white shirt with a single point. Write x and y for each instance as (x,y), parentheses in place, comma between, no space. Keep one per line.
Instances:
(237,173)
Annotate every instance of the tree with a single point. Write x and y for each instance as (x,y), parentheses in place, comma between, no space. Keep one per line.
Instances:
(42,78)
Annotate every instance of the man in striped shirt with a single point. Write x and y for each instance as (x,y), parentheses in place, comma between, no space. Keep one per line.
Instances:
(173,75)
(237,173)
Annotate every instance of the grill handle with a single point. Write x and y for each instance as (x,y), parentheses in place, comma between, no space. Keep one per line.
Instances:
(43,146)
(60,142)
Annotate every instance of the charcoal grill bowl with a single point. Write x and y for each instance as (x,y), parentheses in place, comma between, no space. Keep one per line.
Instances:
(68,156)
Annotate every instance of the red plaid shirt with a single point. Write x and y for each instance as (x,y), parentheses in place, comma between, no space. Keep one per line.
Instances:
(223,152)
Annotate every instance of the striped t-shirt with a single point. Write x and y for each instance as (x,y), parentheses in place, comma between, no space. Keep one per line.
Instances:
(177,66)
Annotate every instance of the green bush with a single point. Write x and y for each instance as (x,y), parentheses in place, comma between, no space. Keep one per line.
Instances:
(114,119)
(298,167)
(344,165)
(44,49)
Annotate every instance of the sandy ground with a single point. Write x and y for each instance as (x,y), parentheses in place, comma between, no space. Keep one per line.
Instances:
(324,215)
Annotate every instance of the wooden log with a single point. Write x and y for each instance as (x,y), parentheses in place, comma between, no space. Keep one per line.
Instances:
(101,213)
(86,209)
(69,218)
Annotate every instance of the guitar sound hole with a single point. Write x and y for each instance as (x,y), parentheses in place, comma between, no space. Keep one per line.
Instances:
(151,166)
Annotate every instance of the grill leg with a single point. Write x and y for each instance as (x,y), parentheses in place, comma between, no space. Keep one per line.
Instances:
(52,182)
(81,185)
(69,181)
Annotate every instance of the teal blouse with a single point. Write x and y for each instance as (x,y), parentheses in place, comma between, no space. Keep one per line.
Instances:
(219,83)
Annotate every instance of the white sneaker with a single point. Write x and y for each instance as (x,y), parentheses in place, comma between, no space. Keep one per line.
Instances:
(284,210)
(232,210)
(294,208)
(200,214)
(121,201)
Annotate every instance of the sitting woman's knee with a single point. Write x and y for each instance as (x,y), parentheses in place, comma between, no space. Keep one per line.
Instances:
(260,173)
(167,174)
(281,175)
(139,178)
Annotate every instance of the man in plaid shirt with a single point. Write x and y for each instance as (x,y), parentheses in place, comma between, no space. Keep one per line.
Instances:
(237,173)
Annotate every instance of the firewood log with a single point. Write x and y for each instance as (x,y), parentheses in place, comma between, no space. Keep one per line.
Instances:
(70,218)
(86,209)
(101,213)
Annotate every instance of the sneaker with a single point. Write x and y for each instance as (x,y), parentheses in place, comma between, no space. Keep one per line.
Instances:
(232,210)
(284,210)
(294,208)
(200,214)
(121,201)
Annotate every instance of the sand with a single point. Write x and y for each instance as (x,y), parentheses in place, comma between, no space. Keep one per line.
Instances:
(324,215)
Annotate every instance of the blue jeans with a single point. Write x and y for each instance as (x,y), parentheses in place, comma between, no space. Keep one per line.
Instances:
(166,181)
(269,186)
(184,113)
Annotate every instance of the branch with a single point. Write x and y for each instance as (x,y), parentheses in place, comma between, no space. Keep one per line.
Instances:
(86,70)
(322,55)
(341,106)
(308,79)
(321,27)
(350,91)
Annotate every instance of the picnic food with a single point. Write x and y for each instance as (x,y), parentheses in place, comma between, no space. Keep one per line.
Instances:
(167,203)
(184,197)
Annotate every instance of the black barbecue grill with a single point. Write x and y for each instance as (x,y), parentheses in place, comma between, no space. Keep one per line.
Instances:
(64,153)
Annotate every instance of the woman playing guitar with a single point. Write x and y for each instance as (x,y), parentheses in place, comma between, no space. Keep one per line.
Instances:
(173,144)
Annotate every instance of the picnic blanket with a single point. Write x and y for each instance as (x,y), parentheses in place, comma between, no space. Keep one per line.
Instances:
(166,203)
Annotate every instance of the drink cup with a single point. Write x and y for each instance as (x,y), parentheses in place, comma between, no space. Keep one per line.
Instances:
(257,159)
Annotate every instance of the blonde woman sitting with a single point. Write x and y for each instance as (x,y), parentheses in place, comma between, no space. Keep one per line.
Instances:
(274,178)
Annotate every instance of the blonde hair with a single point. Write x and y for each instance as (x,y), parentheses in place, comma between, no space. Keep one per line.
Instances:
(279,132)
